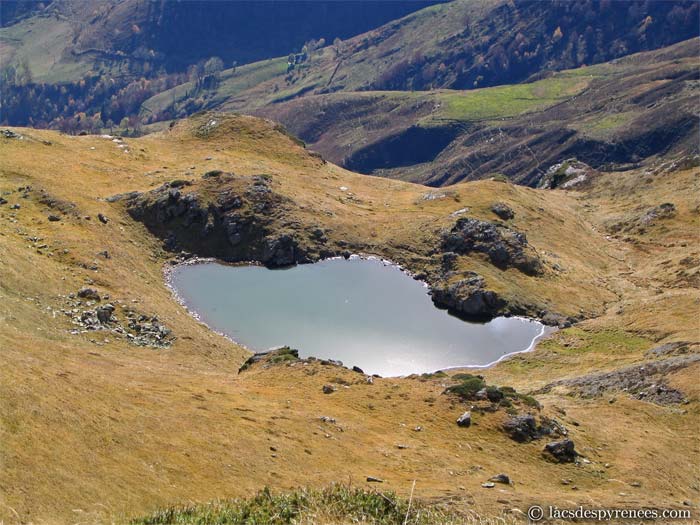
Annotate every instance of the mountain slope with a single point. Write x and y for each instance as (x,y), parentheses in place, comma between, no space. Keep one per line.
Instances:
(470,44)
(77,65)
(96,427)
(614,114)
(173,35)
(618,113)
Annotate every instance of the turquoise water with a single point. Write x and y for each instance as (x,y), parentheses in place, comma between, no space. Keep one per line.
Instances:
(359,311)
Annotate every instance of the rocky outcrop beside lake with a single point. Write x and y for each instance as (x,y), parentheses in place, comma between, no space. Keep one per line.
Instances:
(505,247)
(468,297)
(230,217)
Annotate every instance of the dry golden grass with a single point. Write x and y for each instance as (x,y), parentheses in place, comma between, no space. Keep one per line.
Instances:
(94,431)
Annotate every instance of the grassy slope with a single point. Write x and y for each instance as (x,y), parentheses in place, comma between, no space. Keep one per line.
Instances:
(514,129)
(43,42)
(609,109)
(364,58)
(94,430)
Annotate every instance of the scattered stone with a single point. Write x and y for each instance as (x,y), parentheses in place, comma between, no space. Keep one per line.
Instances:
(554,319)
(102,218)
(465,420)
(566,175)
(89,293)
(138,329)
(331,362)
(501,478)
(503,211)
(104,313)
(662,211)
(488,485)
(401,446)
(417,428)
(357,369)
(2,201)
(328,389)
(9,134)
(639,225)
(327,419)
(53,218)
(123,196)
(15,207)
(561,451)
(372,479)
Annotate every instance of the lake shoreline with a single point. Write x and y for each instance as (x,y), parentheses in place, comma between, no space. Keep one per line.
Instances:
(169,271)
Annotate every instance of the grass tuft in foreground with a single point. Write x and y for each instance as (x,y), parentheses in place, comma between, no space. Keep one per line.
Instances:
(330,505)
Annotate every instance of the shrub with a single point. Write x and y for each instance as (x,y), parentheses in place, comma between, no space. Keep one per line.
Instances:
(468,387)
(433,375)
(282,358)
(461,377)
(529,400)
(508,391)
(494,394)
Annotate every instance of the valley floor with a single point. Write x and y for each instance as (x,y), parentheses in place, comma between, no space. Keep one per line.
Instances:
(101,426)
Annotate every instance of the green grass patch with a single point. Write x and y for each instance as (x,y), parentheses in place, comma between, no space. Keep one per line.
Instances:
(606,126)
(573,341)
(508,101)
(41,41)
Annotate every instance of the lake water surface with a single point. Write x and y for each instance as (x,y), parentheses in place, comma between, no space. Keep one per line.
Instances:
(359,311)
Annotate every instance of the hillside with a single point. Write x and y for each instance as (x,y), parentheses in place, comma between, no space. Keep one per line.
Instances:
(613,115)
(104,425)
(174,35)
(616,114)
(84,66)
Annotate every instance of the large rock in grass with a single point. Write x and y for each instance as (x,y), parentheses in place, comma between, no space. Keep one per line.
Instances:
(465,420)
(503,211)
(522,428)
(560,451)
